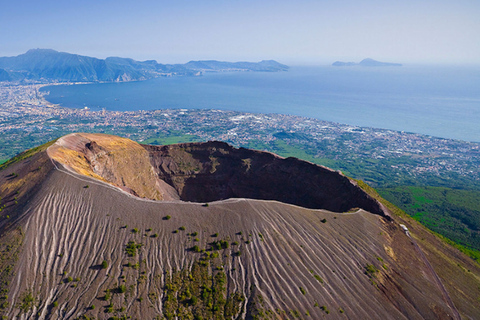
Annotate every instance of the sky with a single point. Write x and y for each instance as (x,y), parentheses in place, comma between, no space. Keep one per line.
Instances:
(300,32)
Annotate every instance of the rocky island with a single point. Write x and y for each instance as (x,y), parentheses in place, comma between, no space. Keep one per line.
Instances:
(366,63)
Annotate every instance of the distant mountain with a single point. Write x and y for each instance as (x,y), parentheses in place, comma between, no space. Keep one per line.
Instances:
(51,65)
(4,75)
(366,63)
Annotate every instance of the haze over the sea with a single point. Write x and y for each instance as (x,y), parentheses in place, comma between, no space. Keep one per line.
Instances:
(303,32)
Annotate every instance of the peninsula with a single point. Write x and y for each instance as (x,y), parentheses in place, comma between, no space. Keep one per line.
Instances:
(46,66)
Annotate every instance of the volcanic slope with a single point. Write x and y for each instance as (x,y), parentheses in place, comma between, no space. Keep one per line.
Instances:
(100,227)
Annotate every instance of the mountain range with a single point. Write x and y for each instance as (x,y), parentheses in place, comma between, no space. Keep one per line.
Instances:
(95,226)
(53,66)
(366,63)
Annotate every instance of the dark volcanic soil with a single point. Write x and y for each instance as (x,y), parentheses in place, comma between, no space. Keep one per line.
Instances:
(204,172)
(231,259)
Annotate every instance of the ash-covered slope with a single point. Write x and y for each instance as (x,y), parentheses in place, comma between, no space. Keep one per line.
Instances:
(79,246)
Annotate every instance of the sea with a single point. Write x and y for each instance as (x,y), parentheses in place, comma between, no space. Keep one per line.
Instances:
(441,101)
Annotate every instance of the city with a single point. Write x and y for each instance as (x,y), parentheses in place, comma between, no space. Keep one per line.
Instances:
(375,155)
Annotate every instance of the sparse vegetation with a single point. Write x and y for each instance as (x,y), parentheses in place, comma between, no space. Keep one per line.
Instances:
(325,309)
(121,289)
(108,295)
(200,293)
(371,270)
(316,276)
(132,247)
(27,301)
(218,245)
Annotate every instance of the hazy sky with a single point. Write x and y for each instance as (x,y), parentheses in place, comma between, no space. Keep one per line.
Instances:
(293,32)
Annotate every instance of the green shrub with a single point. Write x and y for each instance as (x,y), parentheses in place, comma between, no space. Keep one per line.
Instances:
(104,264)
(28,301)
(370,270)
(167,217)
(131,248)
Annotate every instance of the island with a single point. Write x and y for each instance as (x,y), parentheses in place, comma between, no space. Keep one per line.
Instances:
(366,63)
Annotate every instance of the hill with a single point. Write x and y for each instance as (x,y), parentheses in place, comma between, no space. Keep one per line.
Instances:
(50,65)
(97,226)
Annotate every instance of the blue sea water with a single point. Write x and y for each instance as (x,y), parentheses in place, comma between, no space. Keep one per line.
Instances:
(438,101)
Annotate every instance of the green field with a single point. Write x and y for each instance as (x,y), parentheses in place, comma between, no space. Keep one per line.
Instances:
(450,212)
(171,139)
(286,150)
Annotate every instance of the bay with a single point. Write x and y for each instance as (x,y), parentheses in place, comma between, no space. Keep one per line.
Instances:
(438,101)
